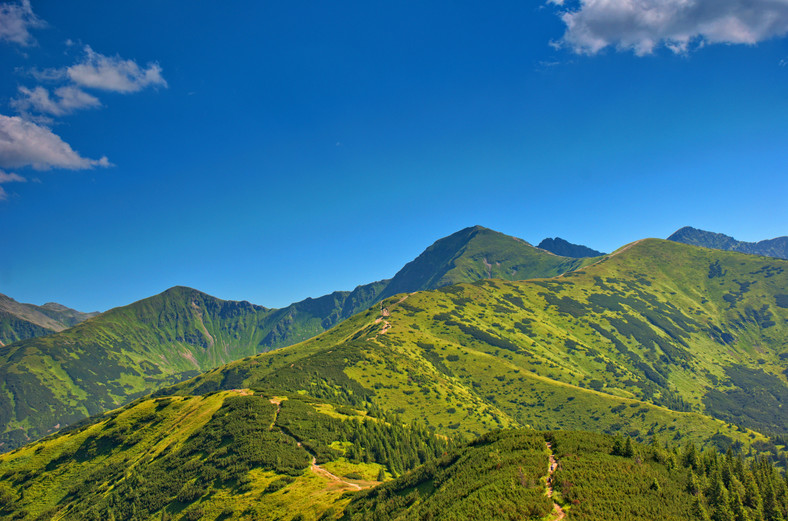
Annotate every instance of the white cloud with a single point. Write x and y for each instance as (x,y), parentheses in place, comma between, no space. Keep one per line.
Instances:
(643,25)
(67,100)
(23,143)
(6,177)
(114,73)
(9,178)
(15,20)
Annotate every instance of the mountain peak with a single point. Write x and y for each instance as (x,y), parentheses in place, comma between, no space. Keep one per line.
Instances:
(565,248)
(476,253)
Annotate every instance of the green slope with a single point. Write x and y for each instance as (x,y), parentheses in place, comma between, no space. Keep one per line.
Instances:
(47,383)
(657,338)
(226,455)
(236,455)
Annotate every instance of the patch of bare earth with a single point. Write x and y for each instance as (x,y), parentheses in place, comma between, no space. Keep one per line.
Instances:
(558,512)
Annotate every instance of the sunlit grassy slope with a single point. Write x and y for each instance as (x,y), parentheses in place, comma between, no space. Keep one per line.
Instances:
(658,337)
(47,383)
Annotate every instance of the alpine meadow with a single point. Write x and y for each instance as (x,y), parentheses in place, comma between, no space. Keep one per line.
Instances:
(242,279)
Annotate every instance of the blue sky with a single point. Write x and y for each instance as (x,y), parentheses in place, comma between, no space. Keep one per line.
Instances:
(274,151)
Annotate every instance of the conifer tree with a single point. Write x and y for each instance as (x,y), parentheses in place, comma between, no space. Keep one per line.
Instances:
(629,451)
(618,448)
(699,510)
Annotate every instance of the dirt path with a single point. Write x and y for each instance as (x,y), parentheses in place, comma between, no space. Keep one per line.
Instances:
(278,403)
(317,469)
(558,512)
(320,471)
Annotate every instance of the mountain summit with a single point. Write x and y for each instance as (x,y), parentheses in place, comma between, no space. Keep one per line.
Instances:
(561,247)
(777,247)
(476,253)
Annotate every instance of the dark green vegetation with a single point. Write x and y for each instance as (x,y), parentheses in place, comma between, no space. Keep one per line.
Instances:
(223,455)
(498,476)
(777,247)
(21,321)
(561,247)
(502,475)
(658,338)
(47,383)
(602,478)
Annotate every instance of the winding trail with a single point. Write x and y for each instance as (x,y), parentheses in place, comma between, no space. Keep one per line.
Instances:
(558,512)
(320,471)
(278,402)
(317,469)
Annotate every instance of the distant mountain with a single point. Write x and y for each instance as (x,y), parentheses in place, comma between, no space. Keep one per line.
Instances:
(468,255)
(49,382)
(21,321)
(561,247)
(777,247)
(472,254)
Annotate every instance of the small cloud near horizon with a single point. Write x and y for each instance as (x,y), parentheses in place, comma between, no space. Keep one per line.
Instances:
(113,73)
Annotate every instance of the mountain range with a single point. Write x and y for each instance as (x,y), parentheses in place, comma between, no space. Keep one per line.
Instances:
(592,388)
(127,352)
(656,335)
(777,247)
(21,321)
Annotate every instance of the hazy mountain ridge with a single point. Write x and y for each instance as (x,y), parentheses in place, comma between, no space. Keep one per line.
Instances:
(20,321)
(777,247)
